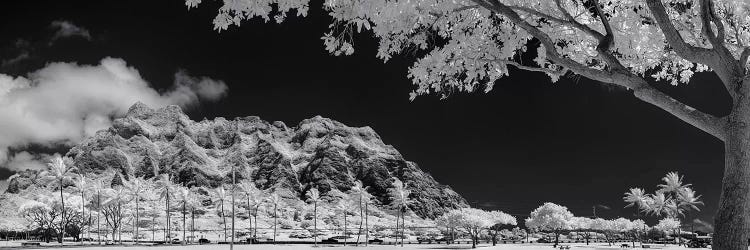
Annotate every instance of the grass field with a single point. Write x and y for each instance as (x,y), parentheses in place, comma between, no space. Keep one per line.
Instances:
(16,245)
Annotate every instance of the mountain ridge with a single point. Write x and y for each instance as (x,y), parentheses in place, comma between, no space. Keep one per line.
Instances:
(317,152)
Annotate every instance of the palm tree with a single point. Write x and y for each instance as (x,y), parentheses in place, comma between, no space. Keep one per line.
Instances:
(359,192)
(254,200)
(166,187)
(193,201)
(275,200)
(135,186)
(672,199)
(220,195)
(60,173)
(97,185)
(314,196)
(82,184)
(151,196)
(400,196)
(183,193)
(366,198)
(344,206)
(234,186)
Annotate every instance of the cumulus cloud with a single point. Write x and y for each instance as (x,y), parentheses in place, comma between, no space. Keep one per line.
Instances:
(68,29)
(63,103)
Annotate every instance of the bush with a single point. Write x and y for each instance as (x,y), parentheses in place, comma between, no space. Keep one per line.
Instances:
(306,224)
(286,224)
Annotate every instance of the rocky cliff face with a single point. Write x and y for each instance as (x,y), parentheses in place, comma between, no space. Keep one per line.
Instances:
(318,152)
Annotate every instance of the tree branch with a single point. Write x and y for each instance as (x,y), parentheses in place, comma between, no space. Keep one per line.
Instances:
(528,68)
(708,16)
(743,58)
(568,21)
(642,90)
(674,39)
(708,123)
(719,59)
(609,38)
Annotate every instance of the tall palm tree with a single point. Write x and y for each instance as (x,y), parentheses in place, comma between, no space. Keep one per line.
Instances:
(313,195)
(366,198)
(400,196)
(166,188)
(234,187)
(220,195)
(151,197)
(97,185)
(254,201)
(82,184)
(135,187)
(183,193)
(193,201)
(60,173)
(344,206)
(275,200)
(359,192)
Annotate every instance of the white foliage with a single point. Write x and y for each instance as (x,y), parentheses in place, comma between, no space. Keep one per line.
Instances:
(672,199)
(550,217)
(668,224)
(466,47)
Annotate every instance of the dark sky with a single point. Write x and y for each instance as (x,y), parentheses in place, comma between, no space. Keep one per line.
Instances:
(575,142)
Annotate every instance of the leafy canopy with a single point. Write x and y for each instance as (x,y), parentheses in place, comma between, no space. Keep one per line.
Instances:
(550,217)
(465,45)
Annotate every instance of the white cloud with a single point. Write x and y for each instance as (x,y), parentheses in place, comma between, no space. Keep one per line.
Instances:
(25,160)
(68,29)
(63,103)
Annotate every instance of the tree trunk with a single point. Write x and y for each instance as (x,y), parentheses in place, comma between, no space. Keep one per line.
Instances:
(361,219)
(557,237)
(344,227)
(167,232)
(119,222)
(255,225)
(98,225)
(473,241)
(315,223)
(137,219)
(248,215)
(62,220)
(274,223)
(367,228)
(88,233)
(403,225)
(192,224)
(184,217)
(224,219)
(398,213)
(234,182)
(587,235)
(733,217)
(83,215)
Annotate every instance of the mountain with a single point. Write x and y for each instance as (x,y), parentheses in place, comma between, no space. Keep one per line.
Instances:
(318,152)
